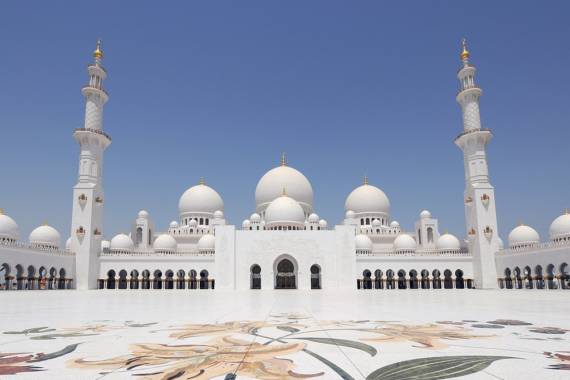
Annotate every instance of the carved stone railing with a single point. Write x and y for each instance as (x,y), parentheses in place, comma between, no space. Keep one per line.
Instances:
(151,252)
(35,248)
(535,247)
(419,253)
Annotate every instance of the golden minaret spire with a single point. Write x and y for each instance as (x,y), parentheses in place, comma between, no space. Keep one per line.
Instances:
(366,180)
(98,53)
(202,181)
(464,53)
(283,159)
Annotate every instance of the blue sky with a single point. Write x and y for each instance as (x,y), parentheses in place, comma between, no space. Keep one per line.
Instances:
(219,89)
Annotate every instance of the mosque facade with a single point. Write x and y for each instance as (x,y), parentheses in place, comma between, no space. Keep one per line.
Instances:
(284,244)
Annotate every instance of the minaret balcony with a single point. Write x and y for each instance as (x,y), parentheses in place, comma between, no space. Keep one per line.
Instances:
(473,132)
(90,130)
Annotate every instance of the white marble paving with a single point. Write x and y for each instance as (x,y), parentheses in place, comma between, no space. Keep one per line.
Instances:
(207,334)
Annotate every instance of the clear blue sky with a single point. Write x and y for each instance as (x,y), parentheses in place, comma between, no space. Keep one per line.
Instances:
(219,89)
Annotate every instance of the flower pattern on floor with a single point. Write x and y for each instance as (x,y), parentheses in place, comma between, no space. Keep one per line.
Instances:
(284,346)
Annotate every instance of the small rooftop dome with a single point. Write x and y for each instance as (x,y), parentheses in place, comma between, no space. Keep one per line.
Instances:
(448,242)
(45,236)
(404,242)
(522,236)
(363,243)
(122,242)
(207,243)
(165,242)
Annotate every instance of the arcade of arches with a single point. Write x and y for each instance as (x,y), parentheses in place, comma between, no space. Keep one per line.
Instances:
(31,278)
(157,280)
(551,277)
(414,279)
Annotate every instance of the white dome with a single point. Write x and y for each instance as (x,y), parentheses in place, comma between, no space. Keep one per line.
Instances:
(192,223)
(105,244)
(404,242)
(367,199)
(522,236)
(8,228)
(165,242)
(349,214)
(207,243)
(394,224)
(200,199)
(68,244)
(219,214)
(143,214)
(323,223)
(560,227)
(246,224)
(45,235)
(425,214)
(174,224)
(376,223)
(255,218)
(363,243)
(284,210)
(448,242)
(501,244)
(313,218)
(271,185)
(122,242)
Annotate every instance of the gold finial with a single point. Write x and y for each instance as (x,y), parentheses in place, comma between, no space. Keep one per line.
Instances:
(284,194)
(1,211)
(465,53)
(366,180)
(98,53)
(521,223)
(45,223)
(566,212)
(283,159)
(202,182)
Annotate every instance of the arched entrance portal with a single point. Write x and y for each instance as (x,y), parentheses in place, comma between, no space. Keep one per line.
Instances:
(286,277)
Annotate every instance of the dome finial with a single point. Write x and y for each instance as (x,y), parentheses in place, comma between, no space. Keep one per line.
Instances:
(566,212)
(365,179)
(98,53)
(283,159)
(45,223)
(284,194)
(202,181)
(1,211)
(465,53)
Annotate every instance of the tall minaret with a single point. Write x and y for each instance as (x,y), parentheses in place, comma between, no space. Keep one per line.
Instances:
(87,217)
(480,214)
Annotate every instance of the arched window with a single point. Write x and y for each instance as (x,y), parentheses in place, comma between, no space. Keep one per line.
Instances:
(255,277)
(401,279)
(123,279)
(366,279)
(459,281)
(138,237)
(315,277)
(430,235)
(419,237)
(204,283)
(367,221)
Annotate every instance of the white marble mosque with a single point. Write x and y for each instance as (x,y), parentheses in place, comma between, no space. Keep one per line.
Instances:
(283,244)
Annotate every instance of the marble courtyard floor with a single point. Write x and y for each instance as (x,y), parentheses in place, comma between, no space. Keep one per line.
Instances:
(374,334)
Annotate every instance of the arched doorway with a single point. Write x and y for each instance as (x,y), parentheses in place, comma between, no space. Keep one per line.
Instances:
(204,279)
(111,279)
(5,277)
(145,279)
(436,279)
(413,279)
(180,279)
(123,279)
(286,275)
(390,279)
(315,277)
(134,279)
(378,282)
(157,280)
(255,277)
(425,279)
(366,279)
(447,280)
(459,282)
(401,279)
(169,282)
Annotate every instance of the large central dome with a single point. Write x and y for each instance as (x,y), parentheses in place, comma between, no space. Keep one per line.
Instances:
(367,199)
(271,186)
(200,199)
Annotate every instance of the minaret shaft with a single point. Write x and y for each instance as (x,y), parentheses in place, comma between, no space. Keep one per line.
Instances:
(87,217)
(480,212)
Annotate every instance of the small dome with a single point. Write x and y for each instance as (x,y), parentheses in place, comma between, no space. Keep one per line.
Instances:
(560,227)
(367,199)
(448,242)
(68,244)
(349,214)
(313,218)
(143,214)
(246,223)
(218,214)
(207,243)
(200,199)
(284,210)
(425,214)
(394,224)
(363,243)
(174,224)
(165,242)
(271,185)
(8,228)
(523,236)
(404,242)
(376,223)
(323,224)
(122,242)
(46,236)
(105,244)
(192,223)
(255,218)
